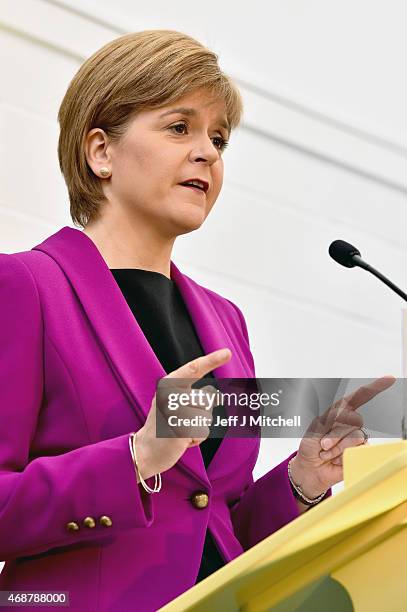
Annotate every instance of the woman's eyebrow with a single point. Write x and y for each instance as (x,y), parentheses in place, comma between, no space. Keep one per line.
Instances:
(192,112)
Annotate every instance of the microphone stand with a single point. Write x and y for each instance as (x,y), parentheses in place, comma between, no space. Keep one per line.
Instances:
(362,264)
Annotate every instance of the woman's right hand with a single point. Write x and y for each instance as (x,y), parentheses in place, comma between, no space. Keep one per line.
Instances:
(155,454)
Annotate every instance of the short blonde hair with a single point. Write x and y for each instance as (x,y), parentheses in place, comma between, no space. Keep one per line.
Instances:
(137,71)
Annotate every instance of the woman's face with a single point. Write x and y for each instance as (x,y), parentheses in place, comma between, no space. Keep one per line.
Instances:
(161,149)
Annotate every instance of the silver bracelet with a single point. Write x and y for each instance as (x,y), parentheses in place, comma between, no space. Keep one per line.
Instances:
(157,477)
(300,495)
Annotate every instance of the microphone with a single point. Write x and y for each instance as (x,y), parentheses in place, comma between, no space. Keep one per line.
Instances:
(349,256)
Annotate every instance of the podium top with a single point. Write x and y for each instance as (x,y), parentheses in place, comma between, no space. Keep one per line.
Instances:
(375,477)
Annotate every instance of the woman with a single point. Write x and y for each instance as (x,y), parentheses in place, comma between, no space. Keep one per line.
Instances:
(93,319)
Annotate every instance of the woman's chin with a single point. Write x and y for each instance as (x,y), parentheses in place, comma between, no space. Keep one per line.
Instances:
(189,222)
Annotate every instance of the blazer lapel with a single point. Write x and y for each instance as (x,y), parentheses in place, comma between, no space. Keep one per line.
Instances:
(131,356)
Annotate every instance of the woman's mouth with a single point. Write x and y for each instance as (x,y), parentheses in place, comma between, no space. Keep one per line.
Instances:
(196,183)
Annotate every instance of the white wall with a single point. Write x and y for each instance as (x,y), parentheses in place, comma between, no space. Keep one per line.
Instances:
(322,154)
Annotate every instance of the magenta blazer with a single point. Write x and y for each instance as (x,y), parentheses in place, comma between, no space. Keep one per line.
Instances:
(76,376)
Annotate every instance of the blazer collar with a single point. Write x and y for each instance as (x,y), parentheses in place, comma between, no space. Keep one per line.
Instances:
(132,359)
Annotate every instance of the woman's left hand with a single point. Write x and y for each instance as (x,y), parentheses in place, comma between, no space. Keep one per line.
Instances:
(318,463)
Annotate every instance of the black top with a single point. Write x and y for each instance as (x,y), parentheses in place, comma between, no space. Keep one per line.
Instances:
(164,319)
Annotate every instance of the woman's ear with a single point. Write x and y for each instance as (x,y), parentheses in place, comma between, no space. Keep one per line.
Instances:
(96,150)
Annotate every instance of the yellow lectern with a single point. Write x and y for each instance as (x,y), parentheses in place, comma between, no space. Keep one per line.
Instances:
(348,553)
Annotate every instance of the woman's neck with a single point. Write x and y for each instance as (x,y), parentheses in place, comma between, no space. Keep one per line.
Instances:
(123,247)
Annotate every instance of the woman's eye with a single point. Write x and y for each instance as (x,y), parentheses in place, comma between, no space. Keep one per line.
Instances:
(222,143)
(178,125)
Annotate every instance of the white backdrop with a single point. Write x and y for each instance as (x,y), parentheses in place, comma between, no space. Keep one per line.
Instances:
(321,155)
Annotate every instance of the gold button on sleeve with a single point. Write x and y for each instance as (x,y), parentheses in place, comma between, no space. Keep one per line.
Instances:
(105,521)
(72,526)
(89,521)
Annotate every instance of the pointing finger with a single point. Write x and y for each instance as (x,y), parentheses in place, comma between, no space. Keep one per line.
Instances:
(197,368)
(367,392)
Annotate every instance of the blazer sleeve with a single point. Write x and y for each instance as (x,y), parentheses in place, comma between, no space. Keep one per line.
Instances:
(39,497)
(267,504)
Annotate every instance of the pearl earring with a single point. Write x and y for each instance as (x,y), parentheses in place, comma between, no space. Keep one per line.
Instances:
(104,172)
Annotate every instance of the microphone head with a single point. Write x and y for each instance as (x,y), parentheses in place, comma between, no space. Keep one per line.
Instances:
(343,252)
